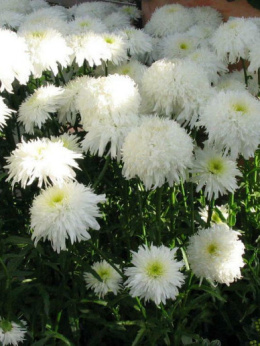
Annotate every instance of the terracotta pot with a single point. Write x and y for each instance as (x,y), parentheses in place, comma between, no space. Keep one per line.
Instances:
(237,8)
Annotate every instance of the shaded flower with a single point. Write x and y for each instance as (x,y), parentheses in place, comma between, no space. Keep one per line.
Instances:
(5,112)
(12,333)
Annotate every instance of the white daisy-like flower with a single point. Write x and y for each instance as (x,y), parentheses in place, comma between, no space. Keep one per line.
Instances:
(13,46)
(117,21)
(233,39)
(216,253)
(178,45)
(68,211)
(138,42)
(68,111)
(109,108)
(229,82)
(210,63)
(206,15)
(41,159)
(252,81)
(88,46)
(69,141)
(12,333)
(254,56)
(5,113)
(86,24)
(11,19)
(155,274)
(110,279)
(98,9)
(203,33)
(131,11)
(38,4)
(47,48)
(232,119)
(152,152)
(214,170)
(116,45)
(169,19)
(19,6)
(36,109)
(215,217)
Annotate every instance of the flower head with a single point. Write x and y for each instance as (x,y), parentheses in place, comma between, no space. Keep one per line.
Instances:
(41,159)
(216,253)
(137,41)
(68,211)
(215,171)
(155,274)
(11,333)
(178,45)
(110,279)
(152,152)
(117,21)
(86,24)
(5,112)
(116,46)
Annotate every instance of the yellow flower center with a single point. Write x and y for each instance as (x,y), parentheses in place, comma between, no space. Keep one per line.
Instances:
(109,40)
(212,249)
(239,107)
(38,34)
(104,274)
(215,166)
(56,198)
(155,269)
(84,24)
(125,70)
(184,46)
(6,326)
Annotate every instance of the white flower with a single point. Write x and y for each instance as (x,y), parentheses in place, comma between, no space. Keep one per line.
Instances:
(232,119)
(11,333)
(206,15)
(157,151)
(5,113)
(11,19)
(88,46)
(138,42)
(20,6)
(116,45)
(59,213)
(230,82)
(169,19)
(110,279)
(215,217)
(86,24)
(68,112)
(13,46)
(203,33)
(131,11)
(47,48)
(216,254)
(98,9)
(109,108)
(43,160)
(36,109)
(254,56)
(117,21)
(239,76)
(69,141)
(215,171)
(38,4)
(155,274)
(233,38)
(177,46)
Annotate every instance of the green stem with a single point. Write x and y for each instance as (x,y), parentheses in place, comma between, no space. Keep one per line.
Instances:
(245,71)
(184,197)
(102,173)
(192,208)
(210,211)
(8,278)
(172,204)
(106,68)
(158,214)
(140,205)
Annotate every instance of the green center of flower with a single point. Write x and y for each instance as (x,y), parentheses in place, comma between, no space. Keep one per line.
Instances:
(104,274)
(212,249)
(84,24)
(184,46)
(125,70)
(155,269)
(239,107)
(6,326)
(172,10)
(38,34)
(215,166)
(109,40)
(56,198)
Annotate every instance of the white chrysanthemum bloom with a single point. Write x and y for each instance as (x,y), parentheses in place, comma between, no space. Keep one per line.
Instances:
(152,152)
(47,48)
(232,119)
(86,24)
(133,68)
(88,46)
(233,39)
(68,211)
(110,279)
(69,141)
(98,9)
(117,21)
(68,111)
(219,214)
(19,6)
(254,56)
(177,46)
(176,89)
(206,15)
(210,63)
(38,4)
(214,170)
(53,17)
(155,275)
(11,333)
(168,20)
(138,42)
(13,46)
(11,19)
(228,82)
(239,76)
(5,113)
(216,253)
(36,109)
(116,45)
(41,159)
(109,108)
(203,33)
(131,11)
